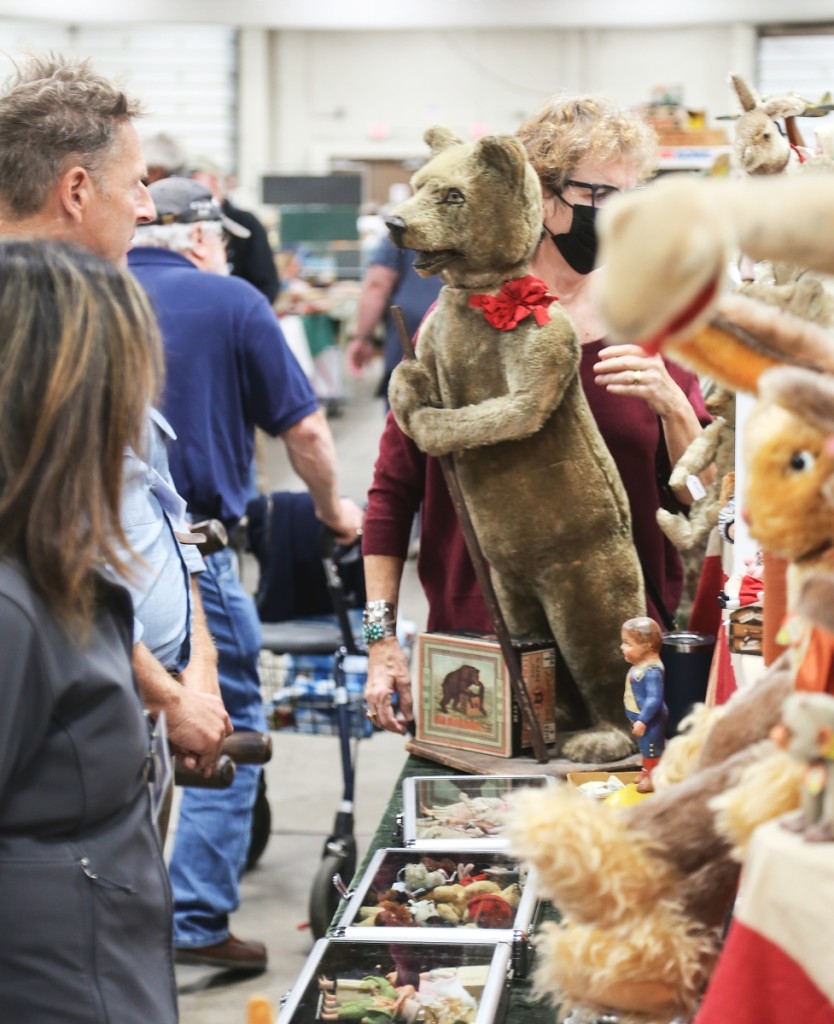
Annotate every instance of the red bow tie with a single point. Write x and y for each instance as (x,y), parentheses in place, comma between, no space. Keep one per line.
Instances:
(516,300)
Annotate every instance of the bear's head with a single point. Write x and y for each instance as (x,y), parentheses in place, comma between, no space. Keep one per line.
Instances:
(476,213)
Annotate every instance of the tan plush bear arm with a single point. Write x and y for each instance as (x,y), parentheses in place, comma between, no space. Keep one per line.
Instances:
(413,383)
(534,387)
(700,454)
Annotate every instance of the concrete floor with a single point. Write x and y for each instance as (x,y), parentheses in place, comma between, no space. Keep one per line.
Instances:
(304,778)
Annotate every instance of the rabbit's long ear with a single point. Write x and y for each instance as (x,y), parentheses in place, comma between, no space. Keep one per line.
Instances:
(747,95)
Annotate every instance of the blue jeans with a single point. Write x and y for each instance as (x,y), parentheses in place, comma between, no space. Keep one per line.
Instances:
(213,833)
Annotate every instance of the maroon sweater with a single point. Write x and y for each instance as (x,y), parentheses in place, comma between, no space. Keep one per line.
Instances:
(404,478)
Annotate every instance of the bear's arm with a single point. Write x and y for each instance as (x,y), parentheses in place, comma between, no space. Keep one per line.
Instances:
(413,383)
(700,454)
(536,385)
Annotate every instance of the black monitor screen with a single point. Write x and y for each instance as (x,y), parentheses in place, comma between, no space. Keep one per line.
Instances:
(302,190)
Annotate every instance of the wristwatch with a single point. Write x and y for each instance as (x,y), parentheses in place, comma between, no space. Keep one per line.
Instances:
(379,622)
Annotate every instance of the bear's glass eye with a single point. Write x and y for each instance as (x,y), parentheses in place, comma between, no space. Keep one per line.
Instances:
(453,197)
(802,461)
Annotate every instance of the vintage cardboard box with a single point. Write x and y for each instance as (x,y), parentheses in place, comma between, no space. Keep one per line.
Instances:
(464,696)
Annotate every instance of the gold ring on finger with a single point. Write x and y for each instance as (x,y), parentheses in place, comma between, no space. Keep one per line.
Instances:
(636,377)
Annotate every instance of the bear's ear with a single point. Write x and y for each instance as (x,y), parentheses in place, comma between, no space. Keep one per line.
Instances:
(503,153)
(439,137)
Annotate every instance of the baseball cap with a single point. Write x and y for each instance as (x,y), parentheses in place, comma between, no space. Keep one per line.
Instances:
(185,201)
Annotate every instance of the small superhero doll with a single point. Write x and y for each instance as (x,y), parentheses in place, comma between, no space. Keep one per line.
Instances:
(641,640)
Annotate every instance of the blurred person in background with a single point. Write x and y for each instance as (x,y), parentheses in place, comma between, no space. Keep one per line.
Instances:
(247,376)
(163,155)
(390,280)
(250,256)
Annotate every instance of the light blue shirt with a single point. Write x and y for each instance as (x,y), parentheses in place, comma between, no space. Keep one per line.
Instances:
(161,567)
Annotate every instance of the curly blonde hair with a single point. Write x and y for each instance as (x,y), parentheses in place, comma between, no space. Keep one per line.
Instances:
(568,129)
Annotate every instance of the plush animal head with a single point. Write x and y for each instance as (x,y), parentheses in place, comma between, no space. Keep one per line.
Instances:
(666,249)
(760,146)
(807,725)
(672,233)
(788,501)
(476,213)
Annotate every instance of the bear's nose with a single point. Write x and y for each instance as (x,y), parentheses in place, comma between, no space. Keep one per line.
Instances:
(396,226)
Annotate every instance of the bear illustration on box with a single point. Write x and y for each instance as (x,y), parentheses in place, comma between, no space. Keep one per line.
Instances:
(496,382)
(463,691)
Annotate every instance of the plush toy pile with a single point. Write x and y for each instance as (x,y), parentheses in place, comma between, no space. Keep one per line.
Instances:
(645,891)
(496,383)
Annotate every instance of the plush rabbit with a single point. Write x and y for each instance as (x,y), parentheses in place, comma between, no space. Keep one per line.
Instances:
(760,146)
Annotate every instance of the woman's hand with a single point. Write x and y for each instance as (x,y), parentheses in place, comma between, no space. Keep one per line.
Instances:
(630,370)
(388,673)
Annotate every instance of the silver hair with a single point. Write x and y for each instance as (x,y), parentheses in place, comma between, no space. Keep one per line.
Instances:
(162,150)
(176,237)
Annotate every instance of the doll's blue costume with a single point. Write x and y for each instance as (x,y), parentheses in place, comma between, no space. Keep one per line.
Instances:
(644,703)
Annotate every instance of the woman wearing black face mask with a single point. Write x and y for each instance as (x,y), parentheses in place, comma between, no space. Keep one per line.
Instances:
(586,150)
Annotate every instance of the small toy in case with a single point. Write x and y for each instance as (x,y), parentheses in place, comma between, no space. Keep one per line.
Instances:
(401,983)
(439,810)
(477,895)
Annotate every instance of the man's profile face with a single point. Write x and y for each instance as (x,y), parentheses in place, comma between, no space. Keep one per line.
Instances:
(120,199)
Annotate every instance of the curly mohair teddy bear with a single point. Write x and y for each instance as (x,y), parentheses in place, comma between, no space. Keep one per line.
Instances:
(643,891)
(496,383)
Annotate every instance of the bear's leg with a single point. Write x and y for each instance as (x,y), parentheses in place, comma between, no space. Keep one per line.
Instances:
(521,607)
(586,602)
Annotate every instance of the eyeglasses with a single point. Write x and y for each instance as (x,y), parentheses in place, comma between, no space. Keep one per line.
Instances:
(600,194)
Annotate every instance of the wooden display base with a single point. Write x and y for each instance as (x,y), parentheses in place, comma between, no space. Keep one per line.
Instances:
(488,764)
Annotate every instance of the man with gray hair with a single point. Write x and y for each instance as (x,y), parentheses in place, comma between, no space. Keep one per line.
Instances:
(71,169)
(228,369)
(163,155)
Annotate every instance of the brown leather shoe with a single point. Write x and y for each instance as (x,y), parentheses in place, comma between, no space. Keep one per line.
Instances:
(231,954)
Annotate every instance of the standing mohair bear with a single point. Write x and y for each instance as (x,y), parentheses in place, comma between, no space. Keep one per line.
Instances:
(497,384)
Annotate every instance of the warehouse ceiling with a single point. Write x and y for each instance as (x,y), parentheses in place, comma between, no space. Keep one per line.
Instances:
(426,14)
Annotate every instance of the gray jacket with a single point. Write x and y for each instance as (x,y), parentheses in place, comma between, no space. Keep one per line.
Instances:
(85,910)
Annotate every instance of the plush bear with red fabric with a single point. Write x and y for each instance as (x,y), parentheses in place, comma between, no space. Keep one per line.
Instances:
(496,384)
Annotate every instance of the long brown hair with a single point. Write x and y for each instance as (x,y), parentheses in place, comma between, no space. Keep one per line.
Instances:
(80,360)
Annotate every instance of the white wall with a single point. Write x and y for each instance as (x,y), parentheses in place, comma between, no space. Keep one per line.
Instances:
(329,87)
(183,74)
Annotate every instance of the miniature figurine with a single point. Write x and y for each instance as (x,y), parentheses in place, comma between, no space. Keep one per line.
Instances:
(641,643)
(807,733)
(472,817)
(373,1000)
(442,997)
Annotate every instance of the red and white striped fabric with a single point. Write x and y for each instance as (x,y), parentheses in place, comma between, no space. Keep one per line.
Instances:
(777,965)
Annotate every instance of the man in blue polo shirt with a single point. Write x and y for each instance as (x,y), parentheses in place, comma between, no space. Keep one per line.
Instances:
(228,369)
